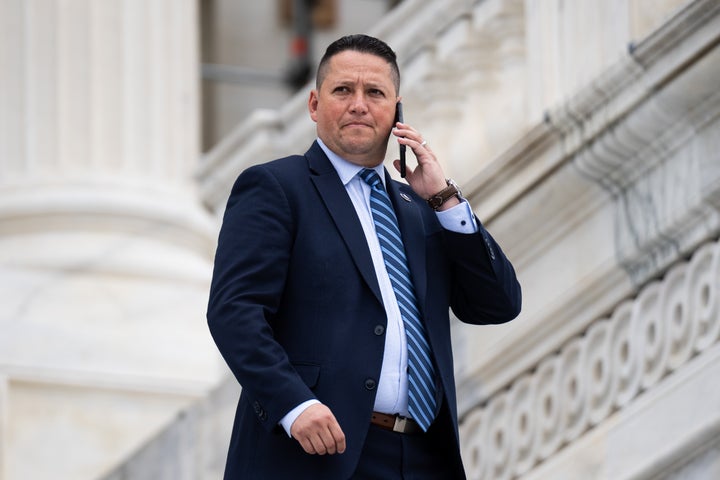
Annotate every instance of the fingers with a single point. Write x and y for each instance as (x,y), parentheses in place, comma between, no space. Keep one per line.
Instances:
(412,138)
(428,177)
(408,169)
(318,432)
(329,440)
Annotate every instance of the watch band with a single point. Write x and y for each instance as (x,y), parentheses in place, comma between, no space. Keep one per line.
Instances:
(452,190)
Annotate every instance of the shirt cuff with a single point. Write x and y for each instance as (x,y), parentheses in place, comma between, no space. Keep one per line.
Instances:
(459,219)
(287,421)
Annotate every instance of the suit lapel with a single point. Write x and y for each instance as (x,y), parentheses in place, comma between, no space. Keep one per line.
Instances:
(342,211)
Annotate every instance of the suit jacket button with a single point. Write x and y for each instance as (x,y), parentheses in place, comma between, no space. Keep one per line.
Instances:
(259,411)
(370,384)
(379,330)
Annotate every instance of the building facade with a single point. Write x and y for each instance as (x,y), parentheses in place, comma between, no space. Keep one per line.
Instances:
(586,135)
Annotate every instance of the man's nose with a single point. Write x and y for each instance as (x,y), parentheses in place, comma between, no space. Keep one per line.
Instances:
(358,104)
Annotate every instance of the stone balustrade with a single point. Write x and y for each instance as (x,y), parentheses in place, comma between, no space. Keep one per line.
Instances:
(601,371)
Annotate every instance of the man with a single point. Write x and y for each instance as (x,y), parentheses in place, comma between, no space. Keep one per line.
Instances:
(331,291)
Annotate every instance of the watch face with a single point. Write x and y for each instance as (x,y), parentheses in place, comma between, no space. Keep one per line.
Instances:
(457,187)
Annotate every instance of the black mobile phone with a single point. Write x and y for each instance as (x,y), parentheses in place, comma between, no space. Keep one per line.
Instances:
(399,118)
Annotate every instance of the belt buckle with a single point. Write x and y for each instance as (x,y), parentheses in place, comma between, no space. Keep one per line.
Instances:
(401,424)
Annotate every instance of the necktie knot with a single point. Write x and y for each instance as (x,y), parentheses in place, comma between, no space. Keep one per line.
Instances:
(371,177)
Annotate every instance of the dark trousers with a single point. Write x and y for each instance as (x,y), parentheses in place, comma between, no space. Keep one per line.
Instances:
(387,455)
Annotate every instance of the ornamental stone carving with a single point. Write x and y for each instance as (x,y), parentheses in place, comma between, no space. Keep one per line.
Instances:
(601,371)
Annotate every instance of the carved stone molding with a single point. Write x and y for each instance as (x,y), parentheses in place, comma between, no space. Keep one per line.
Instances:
(601,371)
(645,132)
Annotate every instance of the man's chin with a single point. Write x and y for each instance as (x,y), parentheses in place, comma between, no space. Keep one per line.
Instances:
(361,144)
(358,146)
(364,157)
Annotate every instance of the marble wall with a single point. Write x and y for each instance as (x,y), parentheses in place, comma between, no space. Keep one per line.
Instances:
(585,135)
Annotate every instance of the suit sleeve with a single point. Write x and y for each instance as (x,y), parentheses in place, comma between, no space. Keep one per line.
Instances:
(251,265)
(485,289)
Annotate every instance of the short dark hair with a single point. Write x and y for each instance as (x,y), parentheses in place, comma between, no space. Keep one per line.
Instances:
(363,44)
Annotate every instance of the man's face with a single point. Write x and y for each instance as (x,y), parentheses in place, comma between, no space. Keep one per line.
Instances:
(354,108)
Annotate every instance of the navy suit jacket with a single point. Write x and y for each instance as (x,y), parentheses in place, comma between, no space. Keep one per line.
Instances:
(295,307)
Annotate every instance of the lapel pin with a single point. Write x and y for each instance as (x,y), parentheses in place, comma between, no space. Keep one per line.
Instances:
(405,197)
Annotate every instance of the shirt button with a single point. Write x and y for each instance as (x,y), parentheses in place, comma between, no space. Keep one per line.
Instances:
(370,384)
(379,330)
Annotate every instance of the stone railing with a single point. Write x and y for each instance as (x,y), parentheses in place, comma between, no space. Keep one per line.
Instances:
(598,372)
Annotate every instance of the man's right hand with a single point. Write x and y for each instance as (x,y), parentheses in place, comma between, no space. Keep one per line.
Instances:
(318,431)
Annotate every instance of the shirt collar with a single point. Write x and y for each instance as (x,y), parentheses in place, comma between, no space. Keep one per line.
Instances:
(347,170)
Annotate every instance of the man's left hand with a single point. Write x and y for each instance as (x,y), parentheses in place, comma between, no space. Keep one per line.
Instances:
(427,178)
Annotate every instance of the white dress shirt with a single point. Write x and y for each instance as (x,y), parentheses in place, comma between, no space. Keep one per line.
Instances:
(392,392)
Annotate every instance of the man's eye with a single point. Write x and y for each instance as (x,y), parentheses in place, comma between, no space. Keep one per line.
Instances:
(342,89)
(376,93)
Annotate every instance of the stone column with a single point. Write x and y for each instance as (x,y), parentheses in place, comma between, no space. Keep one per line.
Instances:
(99,89)
(105,250)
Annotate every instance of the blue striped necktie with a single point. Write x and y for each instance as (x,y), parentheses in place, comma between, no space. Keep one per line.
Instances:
(421,373)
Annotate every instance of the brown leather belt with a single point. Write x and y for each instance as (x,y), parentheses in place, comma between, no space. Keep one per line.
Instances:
(395,423)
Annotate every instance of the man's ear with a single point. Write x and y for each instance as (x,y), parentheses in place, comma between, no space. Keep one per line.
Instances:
(312,104)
